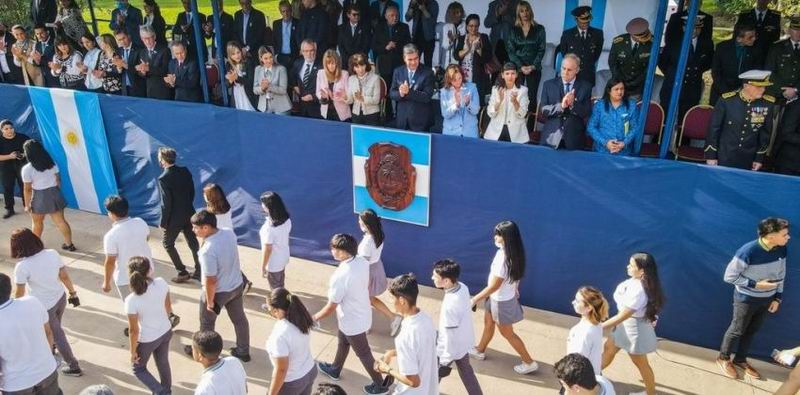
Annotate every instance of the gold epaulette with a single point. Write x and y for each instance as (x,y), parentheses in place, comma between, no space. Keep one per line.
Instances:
(730,94)
(618,39)
(769,98)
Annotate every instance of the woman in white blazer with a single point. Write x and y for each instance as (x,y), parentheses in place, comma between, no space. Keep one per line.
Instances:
(364,91)
(269,84)
(508,108)
(332,88)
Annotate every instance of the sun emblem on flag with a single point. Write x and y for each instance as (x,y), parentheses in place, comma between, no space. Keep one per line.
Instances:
(72,137)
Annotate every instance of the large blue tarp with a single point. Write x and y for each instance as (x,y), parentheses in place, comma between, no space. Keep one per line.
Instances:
(581,214)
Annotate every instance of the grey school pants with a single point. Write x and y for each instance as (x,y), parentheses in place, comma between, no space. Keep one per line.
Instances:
(302,386)
(48,386)
(465,372)
(233,302)
(361,347)
(59,337)
(159,349)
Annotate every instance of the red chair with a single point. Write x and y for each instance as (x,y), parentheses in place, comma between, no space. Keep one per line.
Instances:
(212,76)
(653,126)
(483,121)
(695,126)
(532,121)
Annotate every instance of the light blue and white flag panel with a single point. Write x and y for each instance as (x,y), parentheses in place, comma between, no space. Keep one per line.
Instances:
(72,131)
(419,144)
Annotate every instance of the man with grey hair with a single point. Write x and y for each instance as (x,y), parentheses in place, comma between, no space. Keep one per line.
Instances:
(412,88)
(303,79)
(153,65)
(183,74)
(566,102)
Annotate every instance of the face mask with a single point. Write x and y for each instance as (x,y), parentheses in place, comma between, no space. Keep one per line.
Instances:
(498,244)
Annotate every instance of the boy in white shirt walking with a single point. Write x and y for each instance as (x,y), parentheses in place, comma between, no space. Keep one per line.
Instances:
(221,375)
(576,375)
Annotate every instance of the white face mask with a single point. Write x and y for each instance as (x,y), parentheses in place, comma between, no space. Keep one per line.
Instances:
(498,244)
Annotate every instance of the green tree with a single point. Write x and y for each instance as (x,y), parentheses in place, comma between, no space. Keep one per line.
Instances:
(733,7)
(13,12)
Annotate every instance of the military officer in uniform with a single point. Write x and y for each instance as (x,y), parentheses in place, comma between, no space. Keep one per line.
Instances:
(584,41)
(701,53)
(674,31)
(733,57)
(741,124)
(767,23)
(783,61)
(630,54)
(787,142)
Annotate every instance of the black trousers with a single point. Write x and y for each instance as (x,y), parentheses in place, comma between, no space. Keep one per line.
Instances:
(10,172)
(371,119)
(747,320)
(425,51)
(170,235)
(532,82)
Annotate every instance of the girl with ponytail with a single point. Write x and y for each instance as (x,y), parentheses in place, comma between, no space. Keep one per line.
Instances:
(289,345)
(586,338)
(150,320)
(639,300)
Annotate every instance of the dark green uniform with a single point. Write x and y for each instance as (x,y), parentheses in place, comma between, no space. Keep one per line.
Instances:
(628,65)
(784,62)
(740,130)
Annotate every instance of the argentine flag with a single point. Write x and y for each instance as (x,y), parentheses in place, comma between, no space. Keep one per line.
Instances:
(72,131)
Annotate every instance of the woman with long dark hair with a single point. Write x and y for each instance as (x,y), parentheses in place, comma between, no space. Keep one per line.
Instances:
(217,204)
(289,345)
(508,108)
(149,309)
(638,299)
(501,295)
(67,64)
(41,192)
(371,248)
(111,75)
(91,61)
(614,119)
(274,235)
(153,18)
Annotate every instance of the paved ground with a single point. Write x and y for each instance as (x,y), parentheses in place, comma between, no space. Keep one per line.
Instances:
(95,332)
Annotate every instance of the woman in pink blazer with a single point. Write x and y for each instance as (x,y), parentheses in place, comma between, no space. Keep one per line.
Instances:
(332,88)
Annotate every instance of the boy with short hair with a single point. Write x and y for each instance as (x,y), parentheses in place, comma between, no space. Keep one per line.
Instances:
(221,375)
(577,376)
(456,331)
(127,238)
(415,345)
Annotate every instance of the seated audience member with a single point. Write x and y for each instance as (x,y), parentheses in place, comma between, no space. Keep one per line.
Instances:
(249,27)
(508,108)
(422,15)
(388,39)
(226,30)
(614,120)
(24,51)
(224,375)
(354,36)
(567,103)
(332,88)
(460,105)
(284,31)
(69,21)
(153,18)
(10,73)
(126,61)
(452,30)
(315,25)
(239,77)
(28,362)
(106,70)
(127,18)
(576,375)
(270,84)
(66,65)
(412,88)
(473,51)
(741,124)
(154,61)
(183,31)
(787,142)
(303,80)
(91,60)
(364,91)
(183,75)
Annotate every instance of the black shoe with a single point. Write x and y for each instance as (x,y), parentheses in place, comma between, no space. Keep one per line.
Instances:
(196,275)
(188,351)
(181,278)
(174,320)
(9,214)
(328,370)
(68,371)
(242,357)
(68,247)
(248,286)
(375,389)
(126,332)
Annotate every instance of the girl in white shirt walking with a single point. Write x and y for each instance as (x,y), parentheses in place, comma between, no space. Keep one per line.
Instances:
(274,235)
(217,204)
(501,295)
(586,338)
(371,248)
(289,345)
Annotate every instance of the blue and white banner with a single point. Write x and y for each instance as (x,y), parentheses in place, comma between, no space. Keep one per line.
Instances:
(72,131)
(390,172)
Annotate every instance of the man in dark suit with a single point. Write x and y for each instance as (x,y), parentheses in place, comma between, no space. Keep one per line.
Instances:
(183,75)
(249,27)
(412,88)
(377,10)
(184,29)
(584,41)
(363,8)
(354,36)
(284,32)
(133,84)
(768,27)
(567,103)
(129,18)
(731,58)
(10,73)
(43,11)
(177,207)
(701,54)
(674,31)
(388,40)
(303,80)
(315,25)
(45,50)
(226,30)
(153,66)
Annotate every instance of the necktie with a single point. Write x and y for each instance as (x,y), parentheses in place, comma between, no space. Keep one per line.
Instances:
(635,47)
(760,16)
(583,35)
(125,55)
(307,75)
(411,77)
(797,47)
(567,87)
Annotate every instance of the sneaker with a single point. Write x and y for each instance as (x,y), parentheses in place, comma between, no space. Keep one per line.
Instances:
(188,351)
(638,393)
(727,368)
(72,372)
(126,332)
(375,389)
(237,354)
(748,370)
(181,278)
(526,368)
(328,370)
(480,356)
(248,286)
(8,214)
(68,247)
(396,323)
(174,320)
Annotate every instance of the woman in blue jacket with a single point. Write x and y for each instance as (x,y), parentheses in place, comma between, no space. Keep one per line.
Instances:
(460,104)
(614,120)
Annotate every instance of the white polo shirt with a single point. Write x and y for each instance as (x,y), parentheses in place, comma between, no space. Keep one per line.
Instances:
(368,250)
(587,339)
(127,238)
(39,273)
(348,287)
(278,238)
(149,307)
(507,290)
(286,340)
(456,331)
(416,355)
(225,220)
(226,377)
(630,294)
(40,180)
(25,357)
